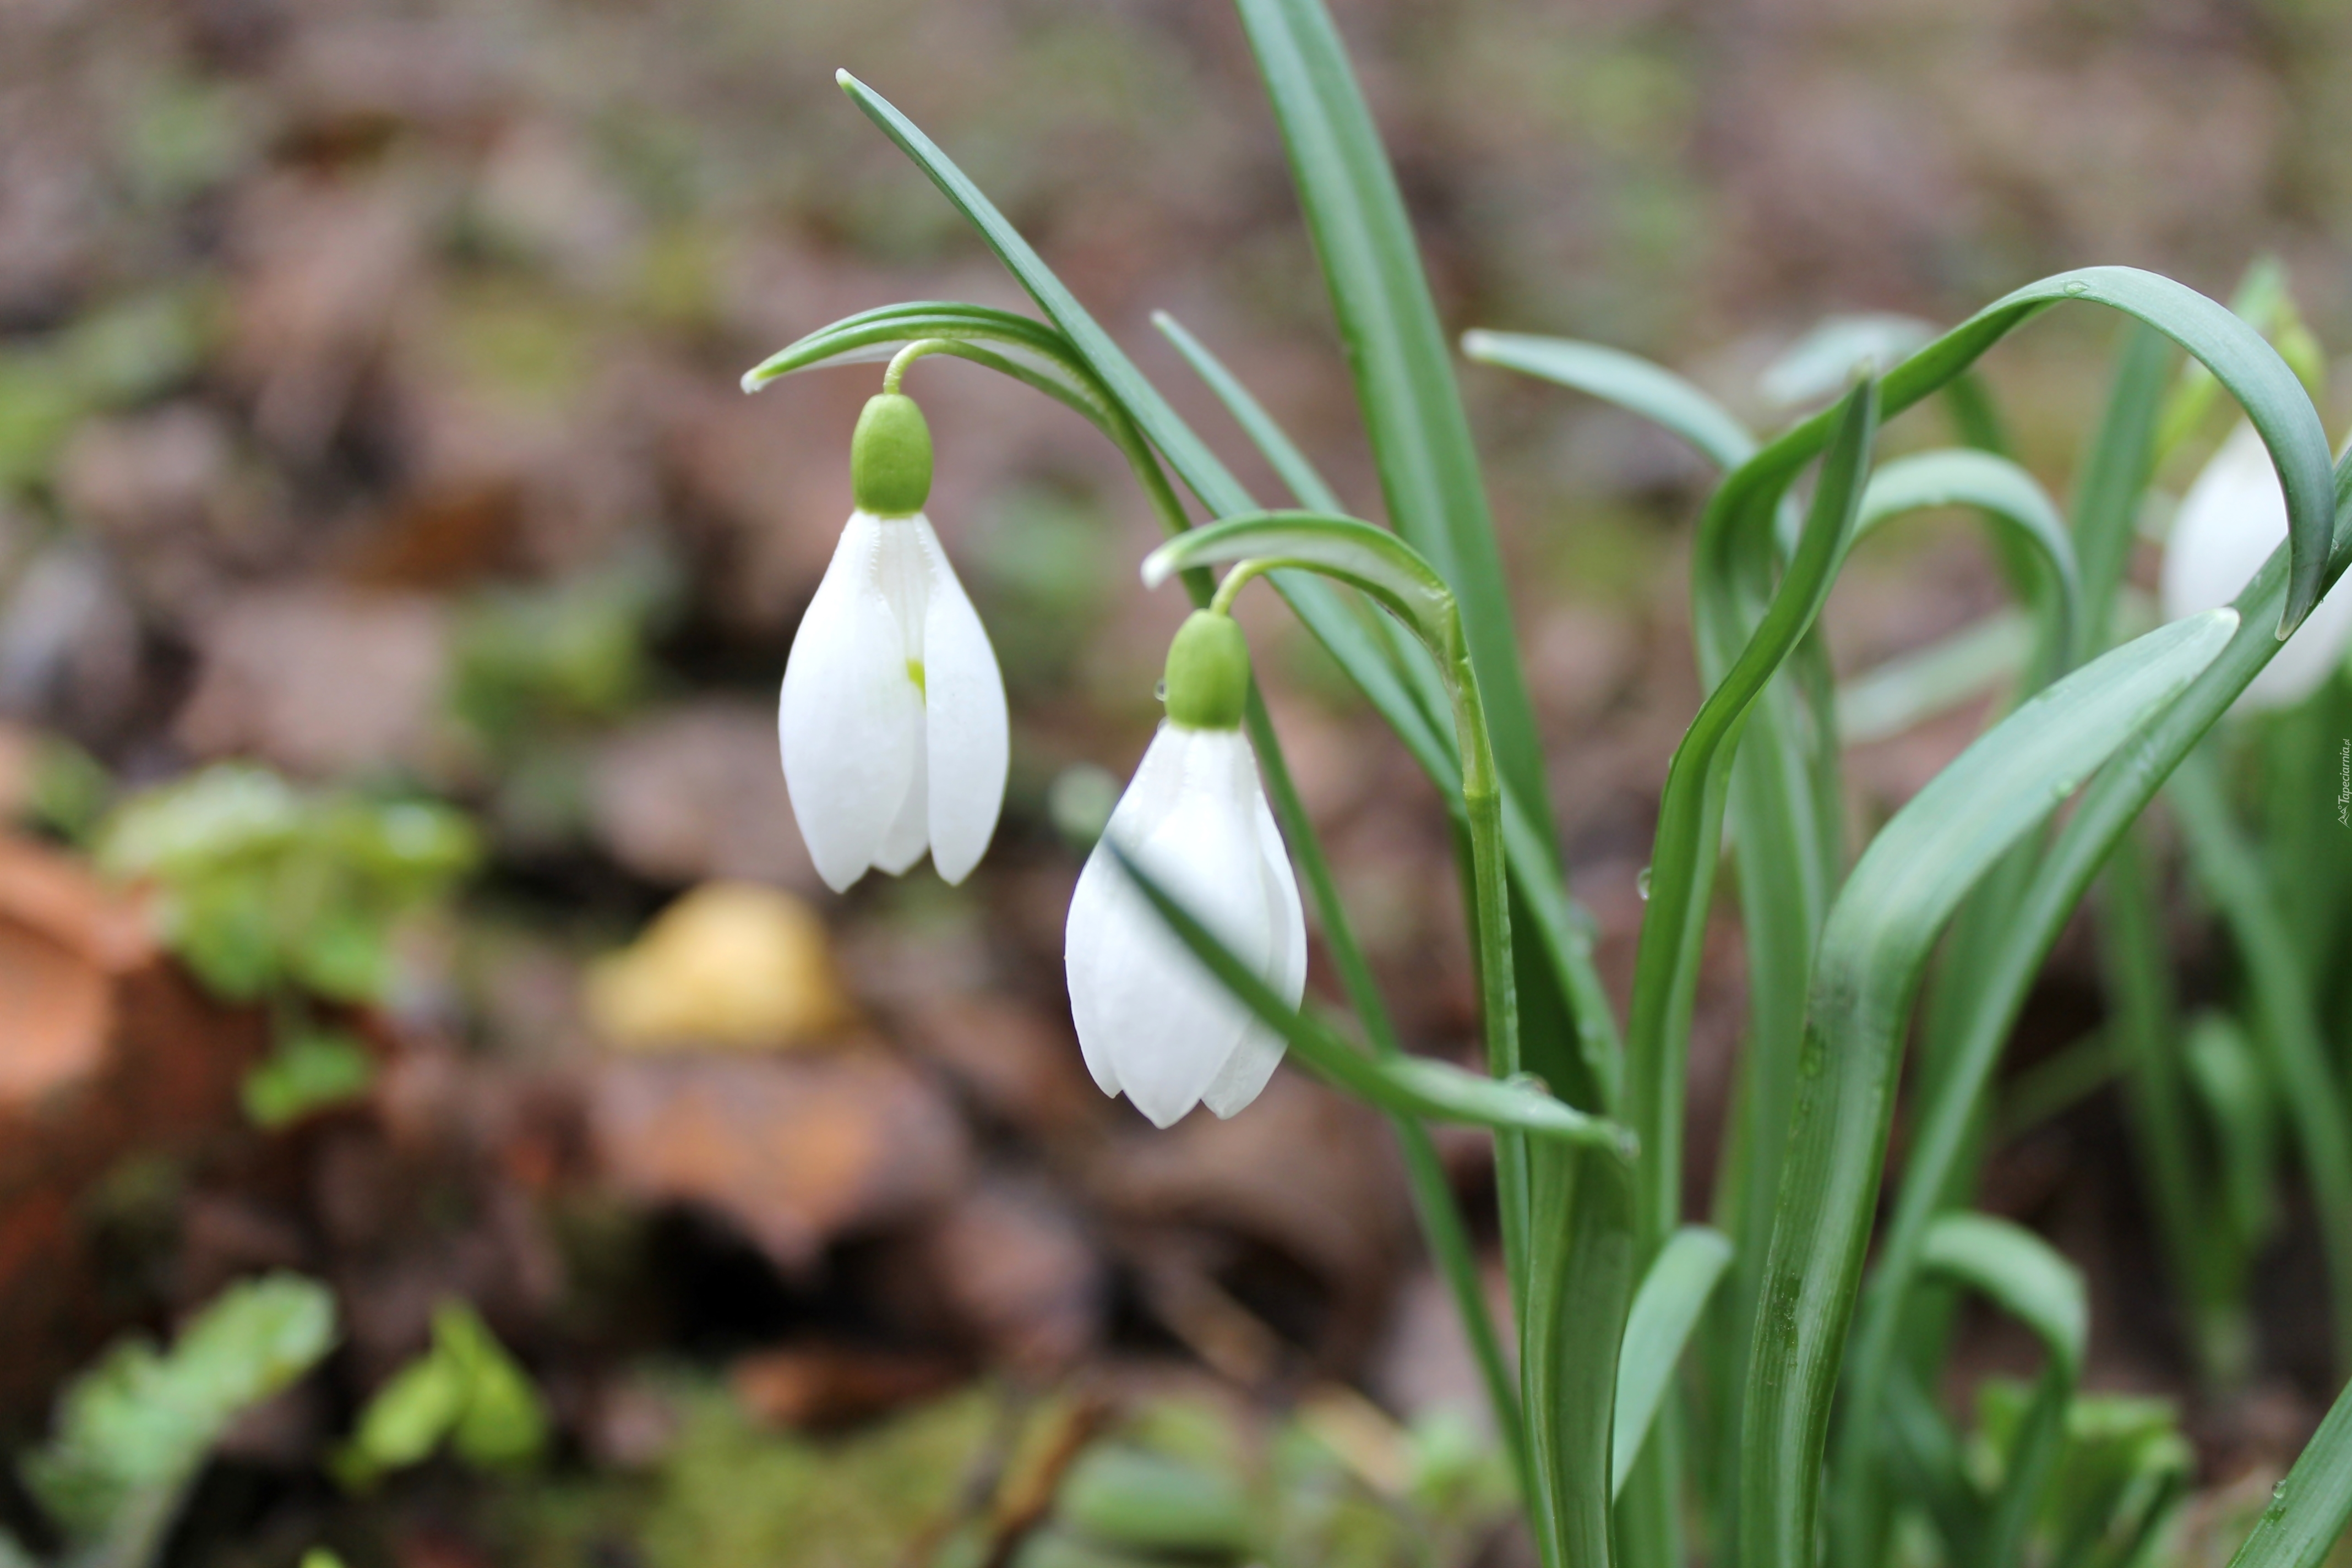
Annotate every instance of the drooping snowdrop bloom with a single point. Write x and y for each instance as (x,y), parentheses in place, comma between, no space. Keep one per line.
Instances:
(893,718)
(1153,1023)
(2233,517)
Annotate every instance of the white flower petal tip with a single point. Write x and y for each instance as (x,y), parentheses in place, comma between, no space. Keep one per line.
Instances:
(892,719)
(1153,1023)
(2233,517)
(1159,567)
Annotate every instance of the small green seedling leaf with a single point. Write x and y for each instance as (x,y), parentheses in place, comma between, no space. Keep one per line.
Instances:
(310,1071)
(466,1391)
(1125,1497)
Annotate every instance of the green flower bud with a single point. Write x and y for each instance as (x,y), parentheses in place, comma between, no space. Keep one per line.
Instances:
(1208,672)
(890,457)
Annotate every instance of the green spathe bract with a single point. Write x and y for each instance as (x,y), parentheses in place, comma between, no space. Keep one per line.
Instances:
(1208,672)
(890,457)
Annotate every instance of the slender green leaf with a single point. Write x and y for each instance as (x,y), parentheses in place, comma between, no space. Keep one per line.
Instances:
(2309,1511)
(2109,806)
(1996,487)
(2021,1272)
(1029,351)
(1877,941)
(1682,864)
(2228,1073)
(1633,384)
(1666,1309)
(2249,368)
(1580,1280)
(2114,480)
(1955,1058)
(1913,686)
(2206,1262)
(1820,363)
(1412,1086)
(1434,1203)
(2056,1085)
(1397,353)
(2289,1030)
(1371,560)
(1290,465)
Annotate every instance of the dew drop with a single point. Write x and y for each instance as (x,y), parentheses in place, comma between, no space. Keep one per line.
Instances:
(2078,287)
(1642,884)
(1159,691)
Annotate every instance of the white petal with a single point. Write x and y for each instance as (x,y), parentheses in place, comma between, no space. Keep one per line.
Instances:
(848,717)
(1171,1027)
(2234,517)
(1093,903)
(909,833)
(1246,1073)
(1091,907)
(964,717)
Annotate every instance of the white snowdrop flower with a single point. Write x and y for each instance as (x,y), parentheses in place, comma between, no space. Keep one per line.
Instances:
(2233,517)
(892,719)
(1153,1023)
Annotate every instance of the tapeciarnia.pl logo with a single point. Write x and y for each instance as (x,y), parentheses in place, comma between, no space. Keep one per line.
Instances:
(2343,784)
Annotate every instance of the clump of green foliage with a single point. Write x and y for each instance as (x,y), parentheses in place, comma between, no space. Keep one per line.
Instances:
(134,1431)
(271,893)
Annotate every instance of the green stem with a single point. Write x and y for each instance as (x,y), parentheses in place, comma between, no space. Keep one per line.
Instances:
(1434,1203)
(1443,1228)
(896,371)
(2204,1257)
(2289,1031)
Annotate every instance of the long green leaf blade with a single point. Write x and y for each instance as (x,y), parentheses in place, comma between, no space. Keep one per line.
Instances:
(2271,396)
(1397,353)
(1371,560)
(2309,1512)
(1666,1308)
(1412,1086)
(2025,1275)
(2022,1273)
(1874,945)
(1633,384)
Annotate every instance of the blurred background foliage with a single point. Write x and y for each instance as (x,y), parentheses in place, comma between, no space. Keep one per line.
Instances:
(394,588)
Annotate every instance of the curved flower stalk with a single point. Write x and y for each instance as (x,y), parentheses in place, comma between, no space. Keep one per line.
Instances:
(1154,1023)
(892,719)
(2232,519)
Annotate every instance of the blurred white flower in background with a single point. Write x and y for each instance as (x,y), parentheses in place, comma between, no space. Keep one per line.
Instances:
(2233,517)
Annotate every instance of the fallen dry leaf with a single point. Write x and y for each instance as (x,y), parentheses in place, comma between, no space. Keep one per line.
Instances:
(64,939)
(794,1153)
(830,1385)
(319,681)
